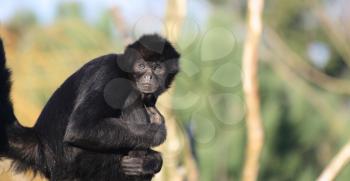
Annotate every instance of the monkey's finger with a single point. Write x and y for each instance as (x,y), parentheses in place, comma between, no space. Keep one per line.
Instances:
(152,111)
(127,158)
(132,173)
(132,169)
(132,166)
(132,162)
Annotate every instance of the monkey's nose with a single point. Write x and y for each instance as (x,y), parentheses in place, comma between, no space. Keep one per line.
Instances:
(148,77)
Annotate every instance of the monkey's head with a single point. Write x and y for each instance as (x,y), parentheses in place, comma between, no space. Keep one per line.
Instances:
(152,63)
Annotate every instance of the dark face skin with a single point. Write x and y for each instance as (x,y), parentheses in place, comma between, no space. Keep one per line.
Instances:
(149,76)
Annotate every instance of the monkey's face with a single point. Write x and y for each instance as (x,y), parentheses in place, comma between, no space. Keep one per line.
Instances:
(149,75)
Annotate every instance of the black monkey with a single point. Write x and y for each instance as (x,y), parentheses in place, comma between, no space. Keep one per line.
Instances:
(101,122)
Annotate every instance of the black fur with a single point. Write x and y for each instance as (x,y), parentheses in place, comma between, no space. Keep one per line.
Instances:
(92,121)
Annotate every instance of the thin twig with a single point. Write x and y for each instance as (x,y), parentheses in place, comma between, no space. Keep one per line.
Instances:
(336,165)
(331,29)
(309,92)
(297,63)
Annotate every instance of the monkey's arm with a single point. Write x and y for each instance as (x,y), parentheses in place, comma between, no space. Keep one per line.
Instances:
(87,128)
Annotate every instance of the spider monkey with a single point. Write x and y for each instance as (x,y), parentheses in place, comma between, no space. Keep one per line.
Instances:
(101,123)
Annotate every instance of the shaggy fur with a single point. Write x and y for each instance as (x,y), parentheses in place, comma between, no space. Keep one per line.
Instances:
(94,119)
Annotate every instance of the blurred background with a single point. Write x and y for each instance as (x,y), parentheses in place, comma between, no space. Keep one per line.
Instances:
(304,76)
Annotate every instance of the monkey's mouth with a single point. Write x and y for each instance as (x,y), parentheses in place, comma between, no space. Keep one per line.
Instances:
(147,88)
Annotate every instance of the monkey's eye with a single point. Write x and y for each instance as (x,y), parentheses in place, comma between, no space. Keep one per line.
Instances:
(156,66)
(141,66)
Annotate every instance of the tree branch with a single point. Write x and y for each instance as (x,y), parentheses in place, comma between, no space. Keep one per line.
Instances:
(255,131)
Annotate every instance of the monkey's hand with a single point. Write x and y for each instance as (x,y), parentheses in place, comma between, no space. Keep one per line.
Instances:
(139,163)
(154,115)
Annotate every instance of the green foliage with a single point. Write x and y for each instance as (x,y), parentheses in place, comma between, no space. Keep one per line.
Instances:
(70,10)
(22,21)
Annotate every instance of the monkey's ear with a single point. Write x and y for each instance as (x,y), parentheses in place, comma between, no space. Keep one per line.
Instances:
(127,60)
(173,65)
